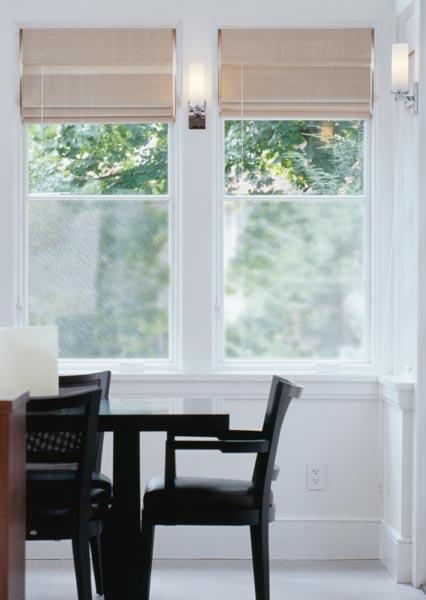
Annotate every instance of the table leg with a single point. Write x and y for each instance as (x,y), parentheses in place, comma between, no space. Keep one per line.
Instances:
(121,537)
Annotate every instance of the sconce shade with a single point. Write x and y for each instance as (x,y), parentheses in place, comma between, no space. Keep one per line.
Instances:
(399,67)
(29,359)
(197,92)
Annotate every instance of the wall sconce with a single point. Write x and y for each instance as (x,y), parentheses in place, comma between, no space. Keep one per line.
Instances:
(197,103)
(400,64)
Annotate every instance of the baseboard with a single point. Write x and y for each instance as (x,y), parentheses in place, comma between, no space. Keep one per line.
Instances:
(314,539)
(395,554)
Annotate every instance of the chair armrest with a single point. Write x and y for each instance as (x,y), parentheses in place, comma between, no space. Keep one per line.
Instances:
(245,442)
(231,434)
(242,434)
(226,446)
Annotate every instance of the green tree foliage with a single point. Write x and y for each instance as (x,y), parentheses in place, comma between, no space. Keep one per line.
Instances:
(293,157)
(98,159)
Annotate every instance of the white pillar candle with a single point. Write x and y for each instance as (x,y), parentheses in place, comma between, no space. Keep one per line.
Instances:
(29,359)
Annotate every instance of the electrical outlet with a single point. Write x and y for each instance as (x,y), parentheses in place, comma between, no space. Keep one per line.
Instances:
(316,477)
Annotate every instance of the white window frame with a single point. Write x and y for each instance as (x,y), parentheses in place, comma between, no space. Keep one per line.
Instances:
(120,365)
(222,364)
(196,331)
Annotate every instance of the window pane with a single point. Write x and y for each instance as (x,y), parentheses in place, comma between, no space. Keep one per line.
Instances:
(293,280)
(89,158)
(100,271)
(294,157)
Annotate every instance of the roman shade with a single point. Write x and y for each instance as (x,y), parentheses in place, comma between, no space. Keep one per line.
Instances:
(296,72)
(98,75)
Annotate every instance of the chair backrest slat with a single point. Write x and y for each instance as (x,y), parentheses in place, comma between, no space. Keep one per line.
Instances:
(82,381)
(72,444)
(281,393)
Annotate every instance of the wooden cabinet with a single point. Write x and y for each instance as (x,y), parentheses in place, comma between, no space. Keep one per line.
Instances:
(12,496)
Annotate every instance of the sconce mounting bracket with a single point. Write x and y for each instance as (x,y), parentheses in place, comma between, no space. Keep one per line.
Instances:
(197,116)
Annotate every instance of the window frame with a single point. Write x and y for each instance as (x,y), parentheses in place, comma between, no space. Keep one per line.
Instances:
(120,365)
(221,363)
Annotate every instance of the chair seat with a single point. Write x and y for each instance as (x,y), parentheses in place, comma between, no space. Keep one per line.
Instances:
(55,489)
(49,499)
(199,494)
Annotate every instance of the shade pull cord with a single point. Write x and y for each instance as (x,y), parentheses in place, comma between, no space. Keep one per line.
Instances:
(242,116)
(42,126)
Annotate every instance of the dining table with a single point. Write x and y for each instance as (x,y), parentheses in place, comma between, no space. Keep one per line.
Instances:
(126,418)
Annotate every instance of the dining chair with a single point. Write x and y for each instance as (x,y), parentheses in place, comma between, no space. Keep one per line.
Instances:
(80,382)
(61,501)
(205,501)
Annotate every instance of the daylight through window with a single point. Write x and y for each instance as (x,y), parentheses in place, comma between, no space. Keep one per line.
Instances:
(295,208)
(98,237)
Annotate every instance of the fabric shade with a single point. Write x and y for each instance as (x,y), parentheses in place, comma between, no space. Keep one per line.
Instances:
(99,75)
(296,72)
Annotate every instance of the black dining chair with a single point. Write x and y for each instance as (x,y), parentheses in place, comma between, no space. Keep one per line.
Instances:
(203,501)
(61,500)
(81,382)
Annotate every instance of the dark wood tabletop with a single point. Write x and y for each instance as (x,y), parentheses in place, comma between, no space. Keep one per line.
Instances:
(177,414)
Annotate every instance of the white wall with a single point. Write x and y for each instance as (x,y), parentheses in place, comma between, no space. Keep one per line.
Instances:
(401,5)
(337,421)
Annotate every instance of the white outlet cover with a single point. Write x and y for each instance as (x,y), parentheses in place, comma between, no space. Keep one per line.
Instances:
(315,476)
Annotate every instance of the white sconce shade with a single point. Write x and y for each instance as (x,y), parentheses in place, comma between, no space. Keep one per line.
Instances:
(399,67)
(197,92)
(29,359)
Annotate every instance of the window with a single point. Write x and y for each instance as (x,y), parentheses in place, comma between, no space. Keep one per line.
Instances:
(100,207)
(294,219)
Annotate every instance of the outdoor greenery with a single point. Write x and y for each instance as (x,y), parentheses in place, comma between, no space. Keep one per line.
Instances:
(294,157)
(98,159)
(293,268)
(99,268)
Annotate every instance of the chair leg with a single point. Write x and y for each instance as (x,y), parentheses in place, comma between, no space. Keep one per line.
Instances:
(147,546)
(260,552)
(80,549)
(95,545)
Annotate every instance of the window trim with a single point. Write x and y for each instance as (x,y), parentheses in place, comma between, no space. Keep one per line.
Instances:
(364,364)
(380,211)
(120,365)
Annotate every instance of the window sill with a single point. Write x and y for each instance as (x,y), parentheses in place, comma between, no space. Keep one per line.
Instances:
(398,391)
(240,385)
(245,376)
(135,370)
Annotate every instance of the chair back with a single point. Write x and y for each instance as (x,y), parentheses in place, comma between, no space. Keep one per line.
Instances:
(73,448)
(81,382)
(281,393)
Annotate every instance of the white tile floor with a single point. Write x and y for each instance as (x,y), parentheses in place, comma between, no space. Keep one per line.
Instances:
(213,580)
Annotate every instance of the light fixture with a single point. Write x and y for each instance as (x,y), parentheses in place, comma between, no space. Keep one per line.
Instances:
(29,360)
(197,102)
(400,68)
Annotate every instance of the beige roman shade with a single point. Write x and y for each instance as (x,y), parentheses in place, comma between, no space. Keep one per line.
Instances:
(99,75)
(296,72)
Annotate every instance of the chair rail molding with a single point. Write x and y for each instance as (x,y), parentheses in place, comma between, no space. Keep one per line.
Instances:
(245,386)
